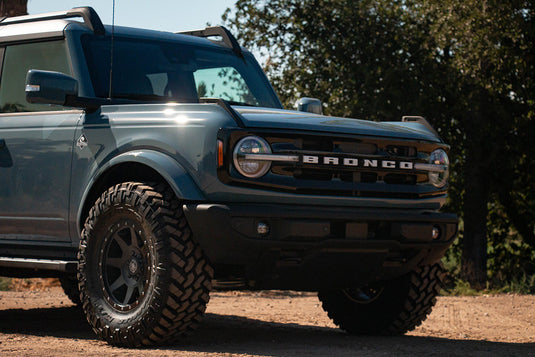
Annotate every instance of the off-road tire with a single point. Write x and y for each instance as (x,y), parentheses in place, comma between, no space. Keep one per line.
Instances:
(166,281)
(396,307)
(70,288)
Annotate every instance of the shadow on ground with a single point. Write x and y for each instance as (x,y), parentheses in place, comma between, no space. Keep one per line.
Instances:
(227,334)
(61,322)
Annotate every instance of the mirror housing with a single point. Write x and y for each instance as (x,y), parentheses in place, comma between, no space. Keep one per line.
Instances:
(310,105)
(47,87)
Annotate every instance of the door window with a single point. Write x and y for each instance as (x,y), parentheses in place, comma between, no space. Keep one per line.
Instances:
(18,60)
(225,83)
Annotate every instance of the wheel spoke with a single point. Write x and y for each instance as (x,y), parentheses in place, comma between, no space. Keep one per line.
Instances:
(115,262)
(122,244)
(117,283)
(128,295)
(140,287)
(133,236)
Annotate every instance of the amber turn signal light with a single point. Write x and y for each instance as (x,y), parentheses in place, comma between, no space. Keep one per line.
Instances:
(219,153)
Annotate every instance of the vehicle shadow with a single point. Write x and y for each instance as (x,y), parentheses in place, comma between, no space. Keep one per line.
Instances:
(229,334)
(240,335)
(61,322)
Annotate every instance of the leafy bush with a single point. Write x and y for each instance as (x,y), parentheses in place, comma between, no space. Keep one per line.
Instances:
(4,283)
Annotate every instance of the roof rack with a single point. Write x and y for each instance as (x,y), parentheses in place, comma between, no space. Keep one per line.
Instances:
(90,16)
(222,31)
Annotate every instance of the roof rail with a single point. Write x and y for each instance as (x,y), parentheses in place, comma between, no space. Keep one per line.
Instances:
(90,16)
(222,31)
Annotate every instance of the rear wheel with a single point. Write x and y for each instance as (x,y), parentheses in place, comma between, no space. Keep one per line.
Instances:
(143,280)
(386,308)
(70,288)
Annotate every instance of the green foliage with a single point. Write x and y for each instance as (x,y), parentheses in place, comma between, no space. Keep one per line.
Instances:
(511,260)
(460,288)
(468,66)
(307,46)
(511,265)
(4,283)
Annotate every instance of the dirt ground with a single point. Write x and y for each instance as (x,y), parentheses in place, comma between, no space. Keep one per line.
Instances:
(45,323)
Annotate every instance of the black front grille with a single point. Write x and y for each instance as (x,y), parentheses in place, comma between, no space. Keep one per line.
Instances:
(401,150)
(345,176)
(338,179)
(337,146)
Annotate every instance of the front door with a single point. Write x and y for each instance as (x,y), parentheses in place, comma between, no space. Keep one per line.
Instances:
(36,144)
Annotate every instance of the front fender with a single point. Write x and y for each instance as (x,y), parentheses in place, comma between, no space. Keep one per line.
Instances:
(172,172)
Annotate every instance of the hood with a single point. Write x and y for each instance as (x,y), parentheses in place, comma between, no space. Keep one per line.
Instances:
(289,119)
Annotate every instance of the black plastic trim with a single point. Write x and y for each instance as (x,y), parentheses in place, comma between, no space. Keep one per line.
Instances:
(309,247)
(228,108)
(222,31)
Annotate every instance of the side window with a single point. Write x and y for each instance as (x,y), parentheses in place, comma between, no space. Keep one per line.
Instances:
(159,82)
(18,60)
(223,82)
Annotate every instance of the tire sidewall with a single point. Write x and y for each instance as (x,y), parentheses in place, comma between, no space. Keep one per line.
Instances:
(402,305)
(379,313)
(95,238)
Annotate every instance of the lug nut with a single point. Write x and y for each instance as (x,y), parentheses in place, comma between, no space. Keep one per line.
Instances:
(435,233)
(262,229)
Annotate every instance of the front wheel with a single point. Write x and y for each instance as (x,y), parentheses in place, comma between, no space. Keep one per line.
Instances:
(386,308)
(142,278)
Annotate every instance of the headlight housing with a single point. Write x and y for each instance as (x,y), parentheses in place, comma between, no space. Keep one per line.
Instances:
(247,167)
(439,177)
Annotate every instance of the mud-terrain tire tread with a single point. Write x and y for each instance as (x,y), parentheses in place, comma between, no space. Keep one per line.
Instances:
(70,288)
(185,282)
(414,296)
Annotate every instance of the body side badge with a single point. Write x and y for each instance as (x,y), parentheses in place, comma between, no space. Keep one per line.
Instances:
(81,142)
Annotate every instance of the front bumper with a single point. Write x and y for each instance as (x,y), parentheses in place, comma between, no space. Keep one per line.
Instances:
(311,248)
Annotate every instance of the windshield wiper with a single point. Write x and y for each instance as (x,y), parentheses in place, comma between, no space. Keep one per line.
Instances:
(161,98)
(231,102)
(142,97)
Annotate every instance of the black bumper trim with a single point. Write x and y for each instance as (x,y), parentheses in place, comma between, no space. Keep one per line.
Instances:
(311,247)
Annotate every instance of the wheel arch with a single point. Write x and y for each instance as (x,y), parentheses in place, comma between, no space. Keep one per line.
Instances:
(139,166)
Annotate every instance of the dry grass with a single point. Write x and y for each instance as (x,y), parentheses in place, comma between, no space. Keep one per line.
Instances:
(34,284)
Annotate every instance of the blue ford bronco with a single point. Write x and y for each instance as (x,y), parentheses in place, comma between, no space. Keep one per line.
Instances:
(145,168)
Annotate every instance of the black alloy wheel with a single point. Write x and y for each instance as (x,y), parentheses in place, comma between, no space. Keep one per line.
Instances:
(125,265)
(143,279)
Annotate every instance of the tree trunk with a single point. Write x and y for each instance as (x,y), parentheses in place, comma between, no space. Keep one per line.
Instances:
(475,210)
(10,8)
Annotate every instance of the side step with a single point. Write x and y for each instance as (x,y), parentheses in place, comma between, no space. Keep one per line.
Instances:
(39,264)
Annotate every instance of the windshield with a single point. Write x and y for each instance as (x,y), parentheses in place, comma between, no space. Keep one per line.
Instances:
(172,71)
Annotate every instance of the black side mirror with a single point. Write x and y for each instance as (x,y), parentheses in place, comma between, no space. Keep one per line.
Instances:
(310,105)
(49,87)
(57,88)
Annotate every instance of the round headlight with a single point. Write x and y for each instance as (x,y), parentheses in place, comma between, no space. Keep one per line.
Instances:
(247,167)
(439,178)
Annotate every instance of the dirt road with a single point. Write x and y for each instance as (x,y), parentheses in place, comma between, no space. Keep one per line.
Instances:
(269,324)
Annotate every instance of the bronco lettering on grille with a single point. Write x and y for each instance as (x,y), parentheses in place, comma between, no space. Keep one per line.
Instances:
(356,162)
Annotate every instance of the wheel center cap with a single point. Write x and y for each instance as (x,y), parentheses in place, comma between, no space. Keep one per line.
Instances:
(133,266)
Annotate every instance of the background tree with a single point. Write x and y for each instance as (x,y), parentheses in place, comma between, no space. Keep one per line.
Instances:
(487,48)
(10,8)
(465,65)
